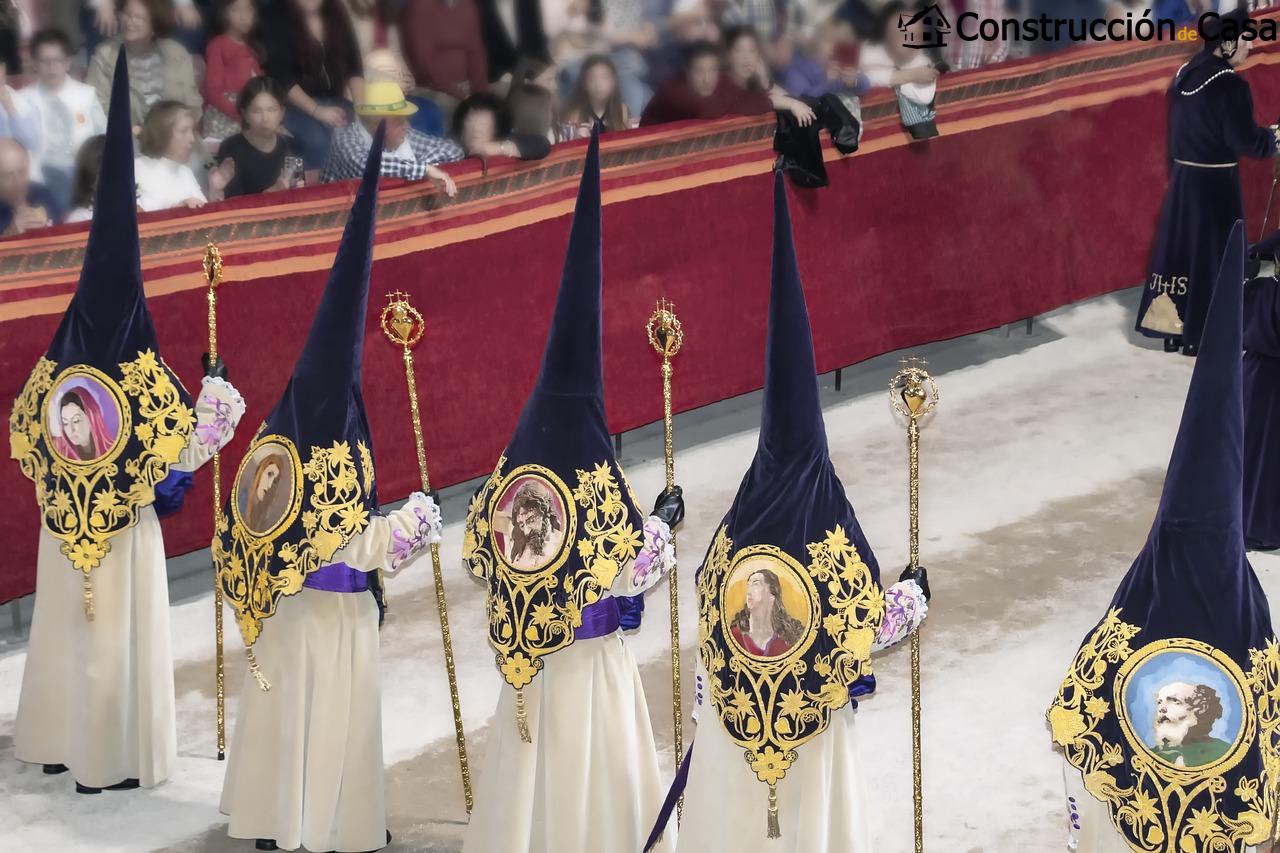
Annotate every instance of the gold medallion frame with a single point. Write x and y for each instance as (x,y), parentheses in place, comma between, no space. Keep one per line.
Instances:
(783,559)
(124,414)
(1248,721)
(295,499)
(562,492)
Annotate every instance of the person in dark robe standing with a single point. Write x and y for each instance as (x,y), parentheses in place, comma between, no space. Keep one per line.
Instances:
(1262,397)
(1211,126)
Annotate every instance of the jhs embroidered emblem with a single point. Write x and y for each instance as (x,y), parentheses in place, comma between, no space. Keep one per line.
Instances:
(1176,285)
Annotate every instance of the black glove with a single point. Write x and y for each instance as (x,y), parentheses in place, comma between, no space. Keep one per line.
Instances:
(216,370)
(920,575)
(670,506)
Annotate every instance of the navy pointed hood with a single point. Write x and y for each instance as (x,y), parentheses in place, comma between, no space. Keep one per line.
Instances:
(557,513)
(102,417)
(791,495)
(1173,686)
(107,320)
(307,484)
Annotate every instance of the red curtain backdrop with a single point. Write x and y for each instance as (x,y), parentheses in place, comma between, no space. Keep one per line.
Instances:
(1042,190)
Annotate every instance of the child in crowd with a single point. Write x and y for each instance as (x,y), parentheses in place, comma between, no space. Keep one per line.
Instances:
(595,97)
(260,158)
(231,61)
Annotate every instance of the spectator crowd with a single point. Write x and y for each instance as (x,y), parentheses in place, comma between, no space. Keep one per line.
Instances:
(232,97)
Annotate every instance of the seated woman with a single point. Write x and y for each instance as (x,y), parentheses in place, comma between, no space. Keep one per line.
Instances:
(482,124)
(164,178)
(260,158)
(595,97)
(311,51)
(231,61)
(160,69)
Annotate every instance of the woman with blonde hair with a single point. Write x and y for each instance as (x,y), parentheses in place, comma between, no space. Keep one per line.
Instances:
(167,140)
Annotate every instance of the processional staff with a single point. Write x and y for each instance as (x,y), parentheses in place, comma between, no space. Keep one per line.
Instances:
(914,395)
(666,336)
(404,325)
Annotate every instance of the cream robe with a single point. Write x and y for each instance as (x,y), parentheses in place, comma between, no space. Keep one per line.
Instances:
(305,765)
(97,695)
(589,782)
(822,801)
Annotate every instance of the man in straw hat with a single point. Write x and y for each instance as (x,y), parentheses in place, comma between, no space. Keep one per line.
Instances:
(408,153)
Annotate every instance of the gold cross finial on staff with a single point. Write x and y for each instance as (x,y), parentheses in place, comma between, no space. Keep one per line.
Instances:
(401,322)
(404,325)
(913,393)
(666,334)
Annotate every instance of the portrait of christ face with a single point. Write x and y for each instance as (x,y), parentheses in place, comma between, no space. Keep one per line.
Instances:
(529,523)
(83,419)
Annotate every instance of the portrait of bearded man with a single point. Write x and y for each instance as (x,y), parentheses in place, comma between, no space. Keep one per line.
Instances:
(1184,716)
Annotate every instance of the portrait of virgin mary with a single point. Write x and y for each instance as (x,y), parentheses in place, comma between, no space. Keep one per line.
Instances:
(83,434)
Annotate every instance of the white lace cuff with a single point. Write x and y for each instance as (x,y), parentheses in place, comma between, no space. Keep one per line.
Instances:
(416,525)
(657,557)
(904,609)
(219,409)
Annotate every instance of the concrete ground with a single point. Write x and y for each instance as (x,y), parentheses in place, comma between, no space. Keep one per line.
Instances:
(1041,472)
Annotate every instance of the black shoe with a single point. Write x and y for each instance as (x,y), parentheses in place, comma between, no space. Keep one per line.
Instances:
(1172,344)
(54,769)
(265,844)
(1190,351)
(845,128)
(126,785)
(85,789)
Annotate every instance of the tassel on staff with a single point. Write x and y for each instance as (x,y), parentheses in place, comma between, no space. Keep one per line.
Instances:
(914,395)
(666,336)
(213,278)
(404,325)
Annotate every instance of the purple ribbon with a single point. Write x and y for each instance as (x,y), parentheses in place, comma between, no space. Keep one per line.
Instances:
(337,577)
(599,620)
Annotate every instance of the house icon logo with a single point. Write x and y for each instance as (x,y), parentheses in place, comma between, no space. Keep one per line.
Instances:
(925,29)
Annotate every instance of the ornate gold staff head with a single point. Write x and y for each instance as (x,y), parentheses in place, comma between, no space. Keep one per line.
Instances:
(401,322)
(212,264)
(912,391)
(666,335)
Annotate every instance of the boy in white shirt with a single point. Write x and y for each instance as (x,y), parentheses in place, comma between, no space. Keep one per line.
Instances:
(67,111)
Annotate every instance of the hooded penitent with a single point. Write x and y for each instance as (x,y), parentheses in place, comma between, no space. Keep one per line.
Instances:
(556,522)
(789,593)
(1171,707)
(306,485)
(102,418)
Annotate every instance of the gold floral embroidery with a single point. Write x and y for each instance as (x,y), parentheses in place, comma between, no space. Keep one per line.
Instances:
(534,613)
(1158,806)
(771,705)
(336,495)
(85,504)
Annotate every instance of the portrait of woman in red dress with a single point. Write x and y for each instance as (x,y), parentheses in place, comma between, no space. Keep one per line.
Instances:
(763,627)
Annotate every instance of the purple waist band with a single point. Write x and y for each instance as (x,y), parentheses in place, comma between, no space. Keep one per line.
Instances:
(599,620)
(338,577)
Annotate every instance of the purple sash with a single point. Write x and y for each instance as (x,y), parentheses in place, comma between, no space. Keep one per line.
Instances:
(338,577)
(599,620)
